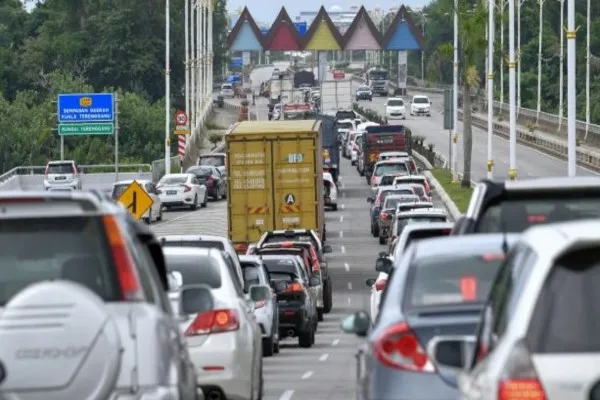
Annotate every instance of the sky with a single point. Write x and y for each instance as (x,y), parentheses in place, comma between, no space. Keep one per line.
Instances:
(266,10)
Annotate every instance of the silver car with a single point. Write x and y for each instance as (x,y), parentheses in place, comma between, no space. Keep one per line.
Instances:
(84,312)
(62,175)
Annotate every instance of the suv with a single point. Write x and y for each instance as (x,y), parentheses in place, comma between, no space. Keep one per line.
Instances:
(513,206)
(82,265)
(62,175)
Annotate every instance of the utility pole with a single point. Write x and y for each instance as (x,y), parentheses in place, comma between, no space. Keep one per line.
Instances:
(512,172)
(455,97)
(561,72)
(587,70)
(193,65)
(187,67)
(501,6)
(539,66)
(571,90)
(490,89)
(167,89)
(519,4)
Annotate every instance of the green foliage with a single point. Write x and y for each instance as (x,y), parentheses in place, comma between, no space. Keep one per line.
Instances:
(215,138)
(65,46)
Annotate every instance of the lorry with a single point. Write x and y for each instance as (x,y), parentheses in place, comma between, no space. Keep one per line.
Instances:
(380,138)
(304,78)
(331,149)
(336,95)
(275,179)
(296,103)
(277,87)
(377,79)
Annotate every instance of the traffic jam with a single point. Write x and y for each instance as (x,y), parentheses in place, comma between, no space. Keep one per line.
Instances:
(94,305)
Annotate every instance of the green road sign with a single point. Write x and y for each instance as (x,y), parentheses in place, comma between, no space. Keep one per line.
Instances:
(86,129)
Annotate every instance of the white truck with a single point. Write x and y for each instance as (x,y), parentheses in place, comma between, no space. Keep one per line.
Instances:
(278,86)
(296,103)
(336,95)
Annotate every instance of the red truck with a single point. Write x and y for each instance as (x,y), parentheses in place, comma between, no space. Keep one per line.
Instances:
(381,138)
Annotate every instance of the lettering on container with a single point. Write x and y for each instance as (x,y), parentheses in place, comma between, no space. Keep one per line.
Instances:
(294,176)
(248,179)
(291,220)
(295,158)
(249,158)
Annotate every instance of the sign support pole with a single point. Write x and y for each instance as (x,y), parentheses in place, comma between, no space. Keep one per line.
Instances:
(62,148)
(167,91)
(116,106)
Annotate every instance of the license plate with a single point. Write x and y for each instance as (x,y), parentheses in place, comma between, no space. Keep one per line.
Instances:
(282,302)
(171,192)
(60,178)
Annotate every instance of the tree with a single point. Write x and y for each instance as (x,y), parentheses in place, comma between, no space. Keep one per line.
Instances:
(220,31)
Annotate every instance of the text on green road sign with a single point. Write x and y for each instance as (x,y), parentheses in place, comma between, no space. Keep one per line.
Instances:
(86,129)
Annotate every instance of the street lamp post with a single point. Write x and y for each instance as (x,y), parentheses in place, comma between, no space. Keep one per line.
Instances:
(519,4)
(571,90)
(455,98)
(512,173)
(187,57)
(587,70)
(490,89)
(423,20)
(167,89)
(501,6)
(193,65)
(561,71)
(539,66)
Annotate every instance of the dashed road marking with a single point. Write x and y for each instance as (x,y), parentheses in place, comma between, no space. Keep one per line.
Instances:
(343,195)
(341,234)
(349,300)
(349,285)
(343,249)
(287,395)
(335,342)
(324,357)
(343,206)
(347,266)
(307,375)
(341,218)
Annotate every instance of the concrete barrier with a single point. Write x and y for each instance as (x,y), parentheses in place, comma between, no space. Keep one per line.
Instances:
(100,181)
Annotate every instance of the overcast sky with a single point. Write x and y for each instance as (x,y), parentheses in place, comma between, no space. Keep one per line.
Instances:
(266,10)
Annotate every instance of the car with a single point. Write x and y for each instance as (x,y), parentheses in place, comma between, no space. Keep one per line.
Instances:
(218,160)
(389,179)
(227,90)
(208,242)
(420,105)
(416,216)
(297,307)
(263,290)
(62,175)
(212,178)
(420,191)
(534,330)
(330,191)
(513,206)
(438,287)
(364,93)
(388,213)
(378,199)
(354,147)
(412,233)
(181,190)
(376,286)
(386,155)
(154,213)
(344,126)
(395,109)
(81,276)
(394,165)
(225,341)
(407,179)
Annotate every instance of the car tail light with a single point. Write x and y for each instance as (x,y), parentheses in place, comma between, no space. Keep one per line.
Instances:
(210,180)
(468,288)
(373,180)
(216,321)
(385,216)
(380,284)
(127,275)
(260,304)
(73,169)
(537,219)
(520,378)
(186,188)
(241,248)
(295,287)
(399,348)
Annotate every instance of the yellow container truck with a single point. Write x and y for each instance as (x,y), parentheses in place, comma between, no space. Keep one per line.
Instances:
(275,176)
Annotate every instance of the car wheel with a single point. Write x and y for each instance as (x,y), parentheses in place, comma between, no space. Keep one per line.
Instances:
(195,204)
(205,201)
(305,338)
(159,218)
(376,231)
(268,346)
(334,207)
(149,219)
(327,296)
(224,194)
(382,240)
(320,314)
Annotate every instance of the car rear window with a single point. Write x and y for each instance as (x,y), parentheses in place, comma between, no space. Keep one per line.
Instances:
(71,248)
(516,215)
(173,180)
(118,190)
(345,115)
(226,87)
(195,269)
(387,168)
(402,192)
(295,238)
(451,279)
(419,190)
(392,201)
(421,219)
(565,319)
(408,207)
(66,168)
(285,265)
(203,244)
(199,171)
(215,161)
(415,236)
(388,180)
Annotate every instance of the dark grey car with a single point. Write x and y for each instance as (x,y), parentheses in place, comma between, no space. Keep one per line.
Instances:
(437,288)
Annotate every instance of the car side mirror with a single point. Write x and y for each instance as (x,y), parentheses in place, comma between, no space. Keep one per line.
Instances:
(260,293)
(383,254)
(327,249)
(369,200)
(195,299)
(279,286)
(314,281)
(450,354)
(358,323)
(158,191)
(384,264)
(370,282)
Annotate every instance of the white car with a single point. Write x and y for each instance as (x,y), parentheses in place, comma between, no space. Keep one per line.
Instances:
(391,166)
(420,231)
(62,175)
(395,109)
(330,190)
(154,213)
(225,342)
(217,160)
(420,105)
(227,90)
(182,190)
(377,286)
(386,155)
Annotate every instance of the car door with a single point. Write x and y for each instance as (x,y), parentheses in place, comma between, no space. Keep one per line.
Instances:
(151,190)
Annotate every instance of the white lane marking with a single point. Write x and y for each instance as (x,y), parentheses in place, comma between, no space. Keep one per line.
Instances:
(343,206)
(344,195)
(307,375)
(349,285)
(341,234)
(287,395)
(349,301)
(343,250)
(335,342)
(175,219)
(347,266)
(341,218)
(324,357)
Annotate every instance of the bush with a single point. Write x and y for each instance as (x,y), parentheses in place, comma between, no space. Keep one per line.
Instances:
(244,103)
(214,138)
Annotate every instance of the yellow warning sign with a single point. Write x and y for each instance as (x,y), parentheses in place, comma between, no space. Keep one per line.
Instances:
(136,200)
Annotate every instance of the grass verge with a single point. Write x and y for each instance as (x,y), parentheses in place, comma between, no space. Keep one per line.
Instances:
(459,195)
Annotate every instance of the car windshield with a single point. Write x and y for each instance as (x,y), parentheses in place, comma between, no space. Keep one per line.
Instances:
(173,180)
(395,103)
(387,168)
(451,279)
(404,192)
(204,244)
(50,248)
(388,180)
(118,190)
(215,161)
(193,269)
(66,168)
(516,215)
(226,87)
(420,100)
(344,125)
(199,171)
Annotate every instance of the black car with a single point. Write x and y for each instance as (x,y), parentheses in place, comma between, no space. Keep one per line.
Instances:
(211,177)
(297,310)
(364,93)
